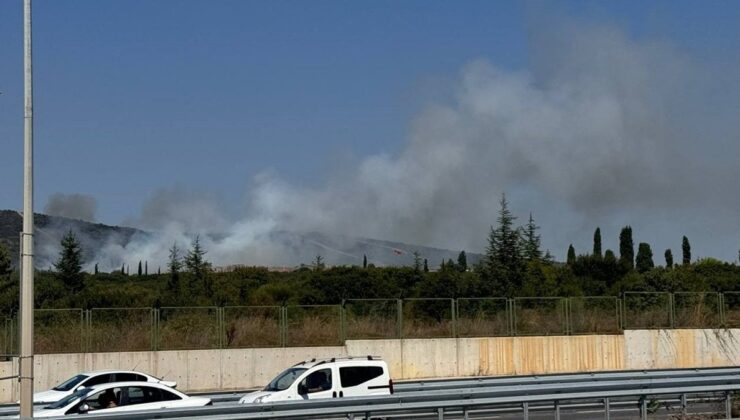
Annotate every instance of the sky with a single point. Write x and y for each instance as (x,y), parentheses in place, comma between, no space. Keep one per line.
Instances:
(399,120)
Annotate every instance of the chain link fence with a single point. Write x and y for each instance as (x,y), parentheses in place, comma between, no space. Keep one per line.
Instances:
(185,328)
(540,315)
(372,318)
(647,310)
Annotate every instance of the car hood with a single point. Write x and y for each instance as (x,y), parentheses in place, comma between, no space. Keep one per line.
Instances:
(49,396)
(249,398)
(48,413)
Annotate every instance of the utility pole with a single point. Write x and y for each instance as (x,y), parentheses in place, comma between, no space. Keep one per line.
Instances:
(25,376)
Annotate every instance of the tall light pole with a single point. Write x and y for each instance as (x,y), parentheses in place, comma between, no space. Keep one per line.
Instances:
(26,351)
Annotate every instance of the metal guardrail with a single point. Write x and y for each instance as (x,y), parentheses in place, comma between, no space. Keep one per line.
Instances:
(461,401)
(170,328)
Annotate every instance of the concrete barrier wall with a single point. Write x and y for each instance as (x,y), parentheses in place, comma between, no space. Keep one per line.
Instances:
(201,370)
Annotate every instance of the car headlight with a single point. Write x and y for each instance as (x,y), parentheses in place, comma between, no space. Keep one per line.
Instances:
(260,399)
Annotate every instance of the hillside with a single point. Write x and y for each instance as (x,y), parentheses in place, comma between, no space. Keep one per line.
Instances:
(297,248)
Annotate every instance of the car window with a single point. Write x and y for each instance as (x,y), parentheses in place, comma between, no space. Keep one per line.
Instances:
(317,381)
(355,375)
(129,377)
(97,380)
(146,394)
(70,383)
(285,379)
(80,393)
(107,398)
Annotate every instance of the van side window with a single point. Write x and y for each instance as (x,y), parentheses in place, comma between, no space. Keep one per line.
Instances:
(317,381)
(356,375)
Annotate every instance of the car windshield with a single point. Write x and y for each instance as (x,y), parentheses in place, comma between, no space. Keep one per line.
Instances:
(80,393)
(70,383)
(285,379)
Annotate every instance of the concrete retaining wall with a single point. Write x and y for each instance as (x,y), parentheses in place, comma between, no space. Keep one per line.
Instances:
(199,370)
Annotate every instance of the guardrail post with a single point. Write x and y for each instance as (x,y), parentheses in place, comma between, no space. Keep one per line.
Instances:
(465,413)
(607,414)
(440,413)
(557,410)
(728,404)
(525,407)
(684,405)
(643,408)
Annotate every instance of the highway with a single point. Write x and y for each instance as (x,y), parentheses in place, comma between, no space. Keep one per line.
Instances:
(577,396)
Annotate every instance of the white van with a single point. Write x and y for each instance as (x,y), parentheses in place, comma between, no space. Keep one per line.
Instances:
(331,378)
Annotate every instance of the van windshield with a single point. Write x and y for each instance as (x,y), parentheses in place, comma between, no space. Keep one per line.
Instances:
(285,379)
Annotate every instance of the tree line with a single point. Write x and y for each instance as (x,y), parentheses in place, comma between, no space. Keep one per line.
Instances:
(514,264)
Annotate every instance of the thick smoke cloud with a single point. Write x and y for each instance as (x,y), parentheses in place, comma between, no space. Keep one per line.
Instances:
(73,206)
(601,130)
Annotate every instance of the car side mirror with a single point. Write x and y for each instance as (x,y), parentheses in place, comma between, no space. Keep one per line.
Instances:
(302,390)
(84,408)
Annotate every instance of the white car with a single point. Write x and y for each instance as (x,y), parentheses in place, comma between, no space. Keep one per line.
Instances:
(119,397)
(88,379)
(332,378)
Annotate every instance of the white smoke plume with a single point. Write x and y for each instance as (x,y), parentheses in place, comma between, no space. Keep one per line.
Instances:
(601,130)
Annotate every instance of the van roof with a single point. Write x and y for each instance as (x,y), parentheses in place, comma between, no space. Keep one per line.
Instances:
(315,362)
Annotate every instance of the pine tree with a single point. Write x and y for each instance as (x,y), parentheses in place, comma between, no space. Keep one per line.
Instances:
(686,248)
(426,266)
(571,255)
(6,266)
(548,258)
(668,258)
(318,264)
(174,265)
(69,265)
(644,261)
(531,245)
(200,268)
(141,271)
(626,248)
(364,261)
(597,243)
(462,262)
(504,256)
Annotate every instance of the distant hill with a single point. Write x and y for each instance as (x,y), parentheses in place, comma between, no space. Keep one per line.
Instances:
(297,248)
(49,231)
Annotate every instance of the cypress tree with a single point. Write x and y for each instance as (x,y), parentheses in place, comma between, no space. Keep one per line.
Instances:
(626,248)
(426,266)
(686,248)
(644,260)
(146,268)
(96,269)
(6,266)
(597,243)
(462,262)
(668,258)
(174,265)
(141,271)
(364,261)
(123,269)
(571,255)
(69,265)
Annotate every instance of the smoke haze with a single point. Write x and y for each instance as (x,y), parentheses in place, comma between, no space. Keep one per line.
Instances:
(72,206)
(602,130)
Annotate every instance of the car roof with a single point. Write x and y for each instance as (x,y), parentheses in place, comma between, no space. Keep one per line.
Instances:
(353,360)
(131,383)
(103,372)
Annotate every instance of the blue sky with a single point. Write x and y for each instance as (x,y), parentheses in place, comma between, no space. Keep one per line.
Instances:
(135,96)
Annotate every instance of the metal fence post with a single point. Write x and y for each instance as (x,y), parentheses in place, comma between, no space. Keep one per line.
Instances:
(342,325)
(728,404)
(672,310)
(284,329)
(399,304)
(454,317)
(512,306)
(722,319)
